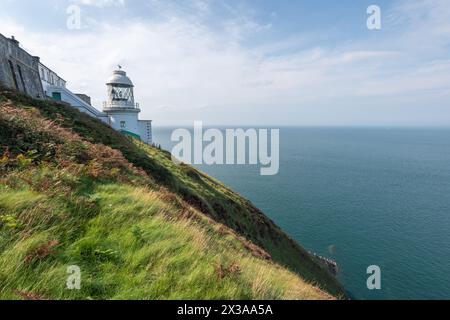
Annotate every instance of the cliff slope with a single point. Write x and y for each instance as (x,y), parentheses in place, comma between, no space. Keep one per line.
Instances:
(75,192)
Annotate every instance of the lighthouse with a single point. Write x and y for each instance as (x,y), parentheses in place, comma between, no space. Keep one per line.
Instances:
(122,110)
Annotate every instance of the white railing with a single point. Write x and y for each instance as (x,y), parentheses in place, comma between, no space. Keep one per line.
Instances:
(120,104)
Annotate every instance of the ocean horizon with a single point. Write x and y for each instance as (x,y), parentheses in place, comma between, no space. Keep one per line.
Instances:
(362,197)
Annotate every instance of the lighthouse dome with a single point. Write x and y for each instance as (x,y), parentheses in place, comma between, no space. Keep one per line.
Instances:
(119,78)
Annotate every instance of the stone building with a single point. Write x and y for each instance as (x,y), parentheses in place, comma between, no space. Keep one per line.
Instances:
(19,69)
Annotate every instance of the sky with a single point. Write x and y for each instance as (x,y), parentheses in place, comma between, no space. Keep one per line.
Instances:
(251,62)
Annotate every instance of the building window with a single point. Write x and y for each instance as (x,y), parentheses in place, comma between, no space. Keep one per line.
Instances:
(123,124)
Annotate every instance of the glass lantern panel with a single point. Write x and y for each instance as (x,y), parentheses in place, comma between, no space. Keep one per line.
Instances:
(121,94)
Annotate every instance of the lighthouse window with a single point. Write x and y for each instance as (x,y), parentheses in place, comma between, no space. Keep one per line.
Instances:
(123,124)
(122,94)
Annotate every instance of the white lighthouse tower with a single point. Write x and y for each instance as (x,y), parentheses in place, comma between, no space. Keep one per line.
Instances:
(122,111)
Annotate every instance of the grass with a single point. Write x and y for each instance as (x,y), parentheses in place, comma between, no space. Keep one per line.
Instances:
(75,192)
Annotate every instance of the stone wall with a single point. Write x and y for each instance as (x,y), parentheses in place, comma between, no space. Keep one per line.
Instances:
(84,97)
(18,69)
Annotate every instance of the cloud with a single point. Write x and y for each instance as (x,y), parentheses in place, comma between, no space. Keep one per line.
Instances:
(184,68)
(100,3)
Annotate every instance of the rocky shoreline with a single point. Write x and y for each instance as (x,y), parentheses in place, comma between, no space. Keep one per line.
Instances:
(330,264)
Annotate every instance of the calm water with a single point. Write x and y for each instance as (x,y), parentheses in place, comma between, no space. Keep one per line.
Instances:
(361,197)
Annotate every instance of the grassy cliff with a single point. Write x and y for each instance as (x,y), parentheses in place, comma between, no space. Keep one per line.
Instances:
(75,192)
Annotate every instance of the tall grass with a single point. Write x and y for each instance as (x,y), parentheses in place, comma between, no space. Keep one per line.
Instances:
(75,192)
(135,247)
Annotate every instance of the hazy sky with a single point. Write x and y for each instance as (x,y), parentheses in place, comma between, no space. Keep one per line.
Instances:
(255,62)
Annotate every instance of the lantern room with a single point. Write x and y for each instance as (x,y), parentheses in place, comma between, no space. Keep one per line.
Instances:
(120,91)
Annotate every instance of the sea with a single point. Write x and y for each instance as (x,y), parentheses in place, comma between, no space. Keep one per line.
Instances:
(362,197)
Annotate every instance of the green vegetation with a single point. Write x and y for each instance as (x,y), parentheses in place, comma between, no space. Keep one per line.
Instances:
(75,192)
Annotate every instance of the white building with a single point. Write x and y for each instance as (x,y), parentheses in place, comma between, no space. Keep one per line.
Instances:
(55,87)
(23,72)
(122,111)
